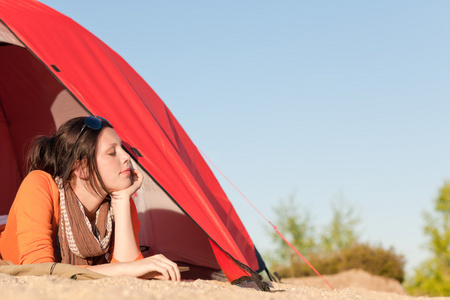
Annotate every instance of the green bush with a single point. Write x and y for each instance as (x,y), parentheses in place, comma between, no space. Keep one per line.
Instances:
(334,250)
(432,277)
(374,260)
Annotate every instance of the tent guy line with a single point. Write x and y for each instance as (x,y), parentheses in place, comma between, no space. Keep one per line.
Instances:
(267,220)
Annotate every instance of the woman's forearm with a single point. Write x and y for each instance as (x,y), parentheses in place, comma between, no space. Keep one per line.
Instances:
(125,246)
(157,266)
(108,269)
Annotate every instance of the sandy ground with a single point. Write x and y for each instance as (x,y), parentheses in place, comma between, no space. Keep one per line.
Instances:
(353,284)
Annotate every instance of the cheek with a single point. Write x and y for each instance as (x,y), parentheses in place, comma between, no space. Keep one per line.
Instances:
(104,168)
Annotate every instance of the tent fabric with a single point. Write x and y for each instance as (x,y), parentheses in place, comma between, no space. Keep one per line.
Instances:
(100,82)
(164,219)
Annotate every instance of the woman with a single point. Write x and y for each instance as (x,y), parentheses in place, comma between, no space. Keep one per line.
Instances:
(75,206)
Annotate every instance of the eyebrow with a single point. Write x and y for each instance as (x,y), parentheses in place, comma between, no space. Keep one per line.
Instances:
(113,145)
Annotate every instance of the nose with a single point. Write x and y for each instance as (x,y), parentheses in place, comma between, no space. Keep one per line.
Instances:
(125,157)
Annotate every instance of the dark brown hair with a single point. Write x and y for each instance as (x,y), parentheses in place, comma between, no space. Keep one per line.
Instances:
(72,144)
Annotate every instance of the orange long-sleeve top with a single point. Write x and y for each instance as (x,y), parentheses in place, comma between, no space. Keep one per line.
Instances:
(31,230)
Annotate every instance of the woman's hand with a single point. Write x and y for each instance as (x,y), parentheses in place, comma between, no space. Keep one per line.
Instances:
(161,268)
(136,179)
(153,267)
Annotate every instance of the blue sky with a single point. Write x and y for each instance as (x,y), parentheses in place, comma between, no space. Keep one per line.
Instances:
(320,99)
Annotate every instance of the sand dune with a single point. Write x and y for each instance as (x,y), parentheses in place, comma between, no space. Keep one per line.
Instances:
(353,284)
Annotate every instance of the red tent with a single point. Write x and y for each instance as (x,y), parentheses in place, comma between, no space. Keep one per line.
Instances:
(52,69)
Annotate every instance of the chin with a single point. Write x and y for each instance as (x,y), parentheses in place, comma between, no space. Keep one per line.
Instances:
(120,186)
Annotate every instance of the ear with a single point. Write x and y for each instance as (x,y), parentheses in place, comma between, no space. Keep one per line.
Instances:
(80,169)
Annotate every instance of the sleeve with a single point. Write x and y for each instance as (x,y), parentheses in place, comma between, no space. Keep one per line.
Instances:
(34,211)
(136,224)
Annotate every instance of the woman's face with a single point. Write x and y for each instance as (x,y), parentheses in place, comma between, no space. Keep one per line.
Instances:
(113,162)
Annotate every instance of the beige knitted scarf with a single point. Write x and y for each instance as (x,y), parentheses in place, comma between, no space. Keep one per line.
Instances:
(80,243)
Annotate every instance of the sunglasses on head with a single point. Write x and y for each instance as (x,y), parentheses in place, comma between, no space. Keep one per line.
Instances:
(94,123)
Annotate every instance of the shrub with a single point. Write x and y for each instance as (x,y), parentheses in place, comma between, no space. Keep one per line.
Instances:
(374,260)
(337,249)
(432,278)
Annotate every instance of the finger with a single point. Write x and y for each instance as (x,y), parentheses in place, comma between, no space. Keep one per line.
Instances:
(170,266)
(137,179)
(173,273)
(178,274)
(136,173)
(158,272)
(165,273)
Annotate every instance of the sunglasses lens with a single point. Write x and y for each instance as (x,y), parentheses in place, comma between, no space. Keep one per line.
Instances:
(104,120)
(93,123)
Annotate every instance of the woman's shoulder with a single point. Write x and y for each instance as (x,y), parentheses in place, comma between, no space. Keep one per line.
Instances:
(39,177)
(36,187)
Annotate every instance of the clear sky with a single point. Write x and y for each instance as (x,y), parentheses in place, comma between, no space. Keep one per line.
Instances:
(320,99)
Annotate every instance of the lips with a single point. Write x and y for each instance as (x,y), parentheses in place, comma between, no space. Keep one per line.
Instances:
(127,171)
